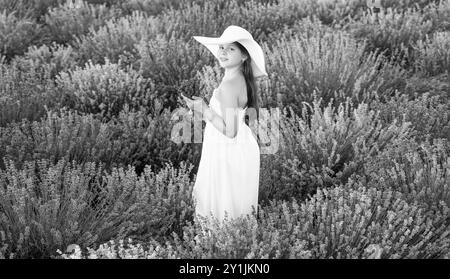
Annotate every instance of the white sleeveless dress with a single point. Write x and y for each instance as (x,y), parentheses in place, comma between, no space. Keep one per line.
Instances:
(228,174)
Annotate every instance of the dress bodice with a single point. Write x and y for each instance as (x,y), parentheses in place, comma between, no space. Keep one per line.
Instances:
(215,103)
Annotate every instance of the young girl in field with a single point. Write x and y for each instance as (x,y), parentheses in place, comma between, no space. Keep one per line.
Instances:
(227,180)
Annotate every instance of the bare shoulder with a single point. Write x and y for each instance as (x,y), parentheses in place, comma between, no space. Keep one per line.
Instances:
(233,89)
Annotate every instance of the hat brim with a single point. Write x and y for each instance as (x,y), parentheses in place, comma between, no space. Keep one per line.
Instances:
(253,48)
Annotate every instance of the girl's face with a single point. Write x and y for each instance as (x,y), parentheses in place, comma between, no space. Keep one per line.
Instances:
(230,55)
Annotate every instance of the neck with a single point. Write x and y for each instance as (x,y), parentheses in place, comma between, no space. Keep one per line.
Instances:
(231,72)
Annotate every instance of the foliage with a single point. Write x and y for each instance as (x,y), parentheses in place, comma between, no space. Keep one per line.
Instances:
(391,31)
(172,65)
(419,170)
(149,7)
(35,9)
(50,59)
(428,114)
(208,18)
(134,137)
(45,207)
(325,148)
(24,93)
(104,89)
(432,55)
(75,18)
(17,34)
(343,222)
(331,65)
(90,149)
(115,39)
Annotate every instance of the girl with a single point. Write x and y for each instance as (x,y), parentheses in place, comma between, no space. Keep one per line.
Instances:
(227,180)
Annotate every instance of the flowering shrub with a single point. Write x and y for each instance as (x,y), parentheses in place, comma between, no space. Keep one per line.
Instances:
(391,30)
(306,27)
(419,170)
(108,3)
(172,65)
(25,8)
(331,65)
(45,206)
(104,89)
(135,138)
(209,79)
(432,55)
(324,147)
(261,18)
(434,86)
(76,17)
(344,222)
(405,4)
(150,7)
(50,59)
(118,36)
(25,92)
(208,18)
(333,12)
(110,250)
(439,13)
(428,114)
(115,39)
(17,34)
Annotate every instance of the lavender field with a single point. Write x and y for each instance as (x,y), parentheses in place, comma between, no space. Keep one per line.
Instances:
(90,168)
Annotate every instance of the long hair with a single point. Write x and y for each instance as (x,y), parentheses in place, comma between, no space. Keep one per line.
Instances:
(252,98)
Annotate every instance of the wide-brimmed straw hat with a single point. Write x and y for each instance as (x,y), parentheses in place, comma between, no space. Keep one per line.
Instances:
(232,34)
